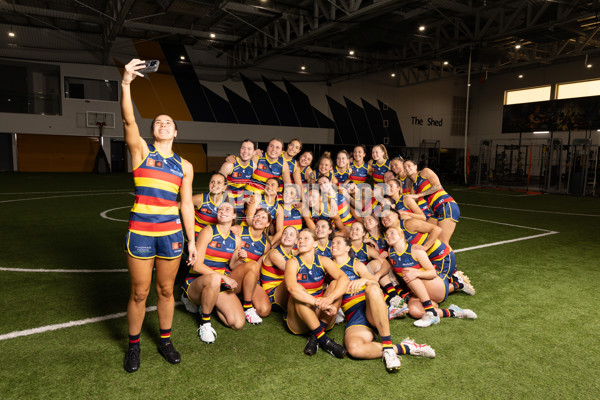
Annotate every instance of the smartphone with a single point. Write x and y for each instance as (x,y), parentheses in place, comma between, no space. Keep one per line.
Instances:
(151,66)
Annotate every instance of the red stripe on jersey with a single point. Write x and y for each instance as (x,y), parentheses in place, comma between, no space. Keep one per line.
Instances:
(154,174)
(216,253)
(154,227)
(312,285)
(154,201)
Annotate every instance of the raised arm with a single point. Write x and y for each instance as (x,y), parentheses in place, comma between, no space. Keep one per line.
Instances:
(138,148)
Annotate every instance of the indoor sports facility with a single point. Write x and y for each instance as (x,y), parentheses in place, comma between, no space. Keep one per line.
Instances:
(495,100)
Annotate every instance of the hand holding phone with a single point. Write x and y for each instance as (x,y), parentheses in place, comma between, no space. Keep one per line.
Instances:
(150,66)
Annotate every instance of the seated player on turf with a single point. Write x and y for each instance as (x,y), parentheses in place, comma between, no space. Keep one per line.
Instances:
(304,277)
(366,313)
(420,277)
(211,283)
(267,200)
(289,207)
(320,208)
(273,268)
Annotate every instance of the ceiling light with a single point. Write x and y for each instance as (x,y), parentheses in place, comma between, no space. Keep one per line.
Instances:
(540,132)
(520,76)
(182,57)
(422,28)
(445,62)
(212,35)
(589,66)
(351,52)
(393,75)
(11,34)
(517,46)
(303,67)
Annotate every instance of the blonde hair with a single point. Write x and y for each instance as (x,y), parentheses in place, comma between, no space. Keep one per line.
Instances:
(382,147)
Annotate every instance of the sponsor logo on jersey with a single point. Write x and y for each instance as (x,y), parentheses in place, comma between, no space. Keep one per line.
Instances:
(177,245)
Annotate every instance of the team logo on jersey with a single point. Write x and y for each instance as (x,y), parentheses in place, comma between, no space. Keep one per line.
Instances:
(302,277)
(177,245)
(236,174)
(393,262)
(150,162)
(246,245)
(262,166)
(204,210)
(215,244)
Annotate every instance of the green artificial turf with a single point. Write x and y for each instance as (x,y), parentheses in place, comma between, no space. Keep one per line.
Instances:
(536,336)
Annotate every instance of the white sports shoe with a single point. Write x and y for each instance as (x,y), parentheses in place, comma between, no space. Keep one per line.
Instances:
(396,301)
(427,320)
(339,317)
(391,360)
(394,312)
(207,333)
(460,313)
(252,317)
(467,287)
(421,350)
(191,307)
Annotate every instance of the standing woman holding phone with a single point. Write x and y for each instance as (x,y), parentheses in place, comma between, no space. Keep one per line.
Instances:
(155,237)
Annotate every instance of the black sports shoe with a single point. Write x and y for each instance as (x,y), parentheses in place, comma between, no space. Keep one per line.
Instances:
(132,359)
(169,353)
(333,348)
(312,345)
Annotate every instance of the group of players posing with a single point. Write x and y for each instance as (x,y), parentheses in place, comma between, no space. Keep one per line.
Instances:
(310,242)
(316,248)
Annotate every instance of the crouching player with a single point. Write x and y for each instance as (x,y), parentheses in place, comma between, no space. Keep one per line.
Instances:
(273,268)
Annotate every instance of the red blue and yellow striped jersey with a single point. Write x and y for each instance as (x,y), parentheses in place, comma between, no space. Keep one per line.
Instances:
(303,174)
(341,176)
(404,260)
(157,181)
(343,208)
(400,205)
(220,250)
(311,276)
(264,170)
(255,248)
(379,170)
(292,216)
(436,252)
(206,213)
(291,164)
(329,175)
(358,173)
(239,177)
(270,275)
(271,208)
(380,240)
(324,251)
(362,253)
(434,200)
(350,300)
(405,184)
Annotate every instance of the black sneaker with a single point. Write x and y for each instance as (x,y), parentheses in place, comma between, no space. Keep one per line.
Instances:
(312,345)
(169,353)
(132,359)
(333,348)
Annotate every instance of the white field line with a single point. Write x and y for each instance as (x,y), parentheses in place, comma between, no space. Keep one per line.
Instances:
(496,194)
(77,271)
(57,197)
(69,324)
(535,211)
(103,214)
(66,191)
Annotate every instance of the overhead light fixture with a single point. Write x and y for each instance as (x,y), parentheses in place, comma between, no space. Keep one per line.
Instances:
(212,35)
(11,34)
(303,68)
(351,52)
(517,46)
(393,75)
(589,66)
(182,57)
(422,28)
(520,76)
(540,132)
(445,62)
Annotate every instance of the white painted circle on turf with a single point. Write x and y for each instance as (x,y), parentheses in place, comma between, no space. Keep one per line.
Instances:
(103,214)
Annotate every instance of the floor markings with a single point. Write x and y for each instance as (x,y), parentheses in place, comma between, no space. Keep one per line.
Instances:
(76,271)
(534,211)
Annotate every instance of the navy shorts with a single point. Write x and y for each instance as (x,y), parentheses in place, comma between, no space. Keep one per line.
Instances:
(448,210)
(146,247)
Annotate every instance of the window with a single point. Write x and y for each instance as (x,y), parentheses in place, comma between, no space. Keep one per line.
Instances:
(577,89)
(529,95)
(91,89)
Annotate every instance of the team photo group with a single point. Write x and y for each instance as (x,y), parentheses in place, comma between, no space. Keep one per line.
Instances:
(359,239)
